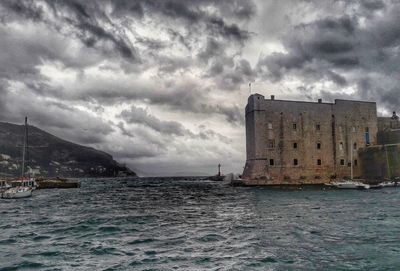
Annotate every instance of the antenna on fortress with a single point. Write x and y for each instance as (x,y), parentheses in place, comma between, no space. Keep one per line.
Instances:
(250,88)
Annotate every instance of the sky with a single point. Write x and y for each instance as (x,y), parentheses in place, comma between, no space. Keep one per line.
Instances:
(162,85)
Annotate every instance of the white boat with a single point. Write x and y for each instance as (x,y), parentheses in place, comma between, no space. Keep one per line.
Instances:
(17,193)
(21,188)
(350,185)
(389,184)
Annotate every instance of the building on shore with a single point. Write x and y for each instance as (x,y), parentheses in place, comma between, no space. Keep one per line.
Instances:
(296,142)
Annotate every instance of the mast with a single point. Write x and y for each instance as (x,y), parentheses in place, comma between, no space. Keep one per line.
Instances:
(219,169)
(24,148)
(351,161)
(387,162)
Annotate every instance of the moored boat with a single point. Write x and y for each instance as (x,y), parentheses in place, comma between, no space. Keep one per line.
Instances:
(350,185)
(17,193)
(21,188)
(390,184)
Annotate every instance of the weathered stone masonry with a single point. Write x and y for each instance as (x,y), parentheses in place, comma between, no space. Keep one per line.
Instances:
(294,142)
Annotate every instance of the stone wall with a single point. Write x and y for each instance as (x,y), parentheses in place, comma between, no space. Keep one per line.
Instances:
(388,130)
(381,161)
(291,142)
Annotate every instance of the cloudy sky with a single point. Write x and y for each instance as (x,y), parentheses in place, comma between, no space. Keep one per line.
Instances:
(162,85)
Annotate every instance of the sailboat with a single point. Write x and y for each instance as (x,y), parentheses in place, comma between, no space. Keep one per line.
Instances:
(350,184)
(21,188)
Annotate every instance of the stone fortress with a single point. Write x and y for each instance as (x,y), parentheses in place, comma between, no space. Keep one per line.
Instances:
(295,142)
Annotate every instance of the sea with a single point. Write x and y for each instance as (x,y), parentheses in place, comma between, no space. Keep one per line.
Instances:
(192,224)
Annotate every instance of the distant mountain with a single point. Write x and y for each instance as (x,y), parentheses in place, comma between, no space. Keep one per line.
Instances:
(50,156)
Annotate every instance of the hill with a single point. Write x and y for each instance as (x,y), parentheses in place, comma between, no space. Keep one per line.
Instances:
(50,156)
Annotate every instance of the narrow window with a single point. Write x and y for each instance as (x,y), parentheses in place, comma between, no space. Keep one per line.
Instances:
(318,127)
(295,145)
(367,129)
(367,139)
(295,162)
(294,126)
(318,145)
(341,146)
(355,146)
(271,162)
(269,125)
(342,162)
(355,162)
(271,144)
(319,162)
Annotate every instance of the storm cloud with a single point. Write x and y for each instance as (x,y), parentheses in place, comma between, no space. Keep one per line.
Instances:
(162,85)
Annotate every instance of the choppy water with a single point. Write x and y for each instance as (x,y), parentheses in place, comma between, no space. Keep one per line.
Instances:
(162,224)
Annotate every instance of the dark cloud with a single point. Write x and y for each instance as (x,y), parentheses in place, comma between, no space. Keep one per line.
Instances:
(373,4)
(328,41)
(352,48)
(124,131)
(141,116)
(25,9)
(89,22)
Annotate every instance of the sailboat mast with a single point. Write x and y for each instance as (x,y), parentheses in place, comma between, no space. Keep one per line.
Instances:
(24,148)
(351,159)
(387,163)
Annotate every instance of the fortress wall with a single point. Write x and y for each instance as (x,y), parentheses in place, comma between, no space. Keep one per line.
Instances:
(381,161)
(283,131)
(353,120)
(255,137)
(388,130)
(296,123)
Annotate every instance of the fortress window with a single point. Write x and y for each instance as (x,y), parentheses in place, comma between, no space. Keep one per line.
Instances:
(294,126)
(366,129)
(271,162)
(295,162)
(341,146)
(355,146)
(355,162)
(318,127)
(269,125)
(294,145)
(271,144)
(319,162)
(342,162)
(318,145)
